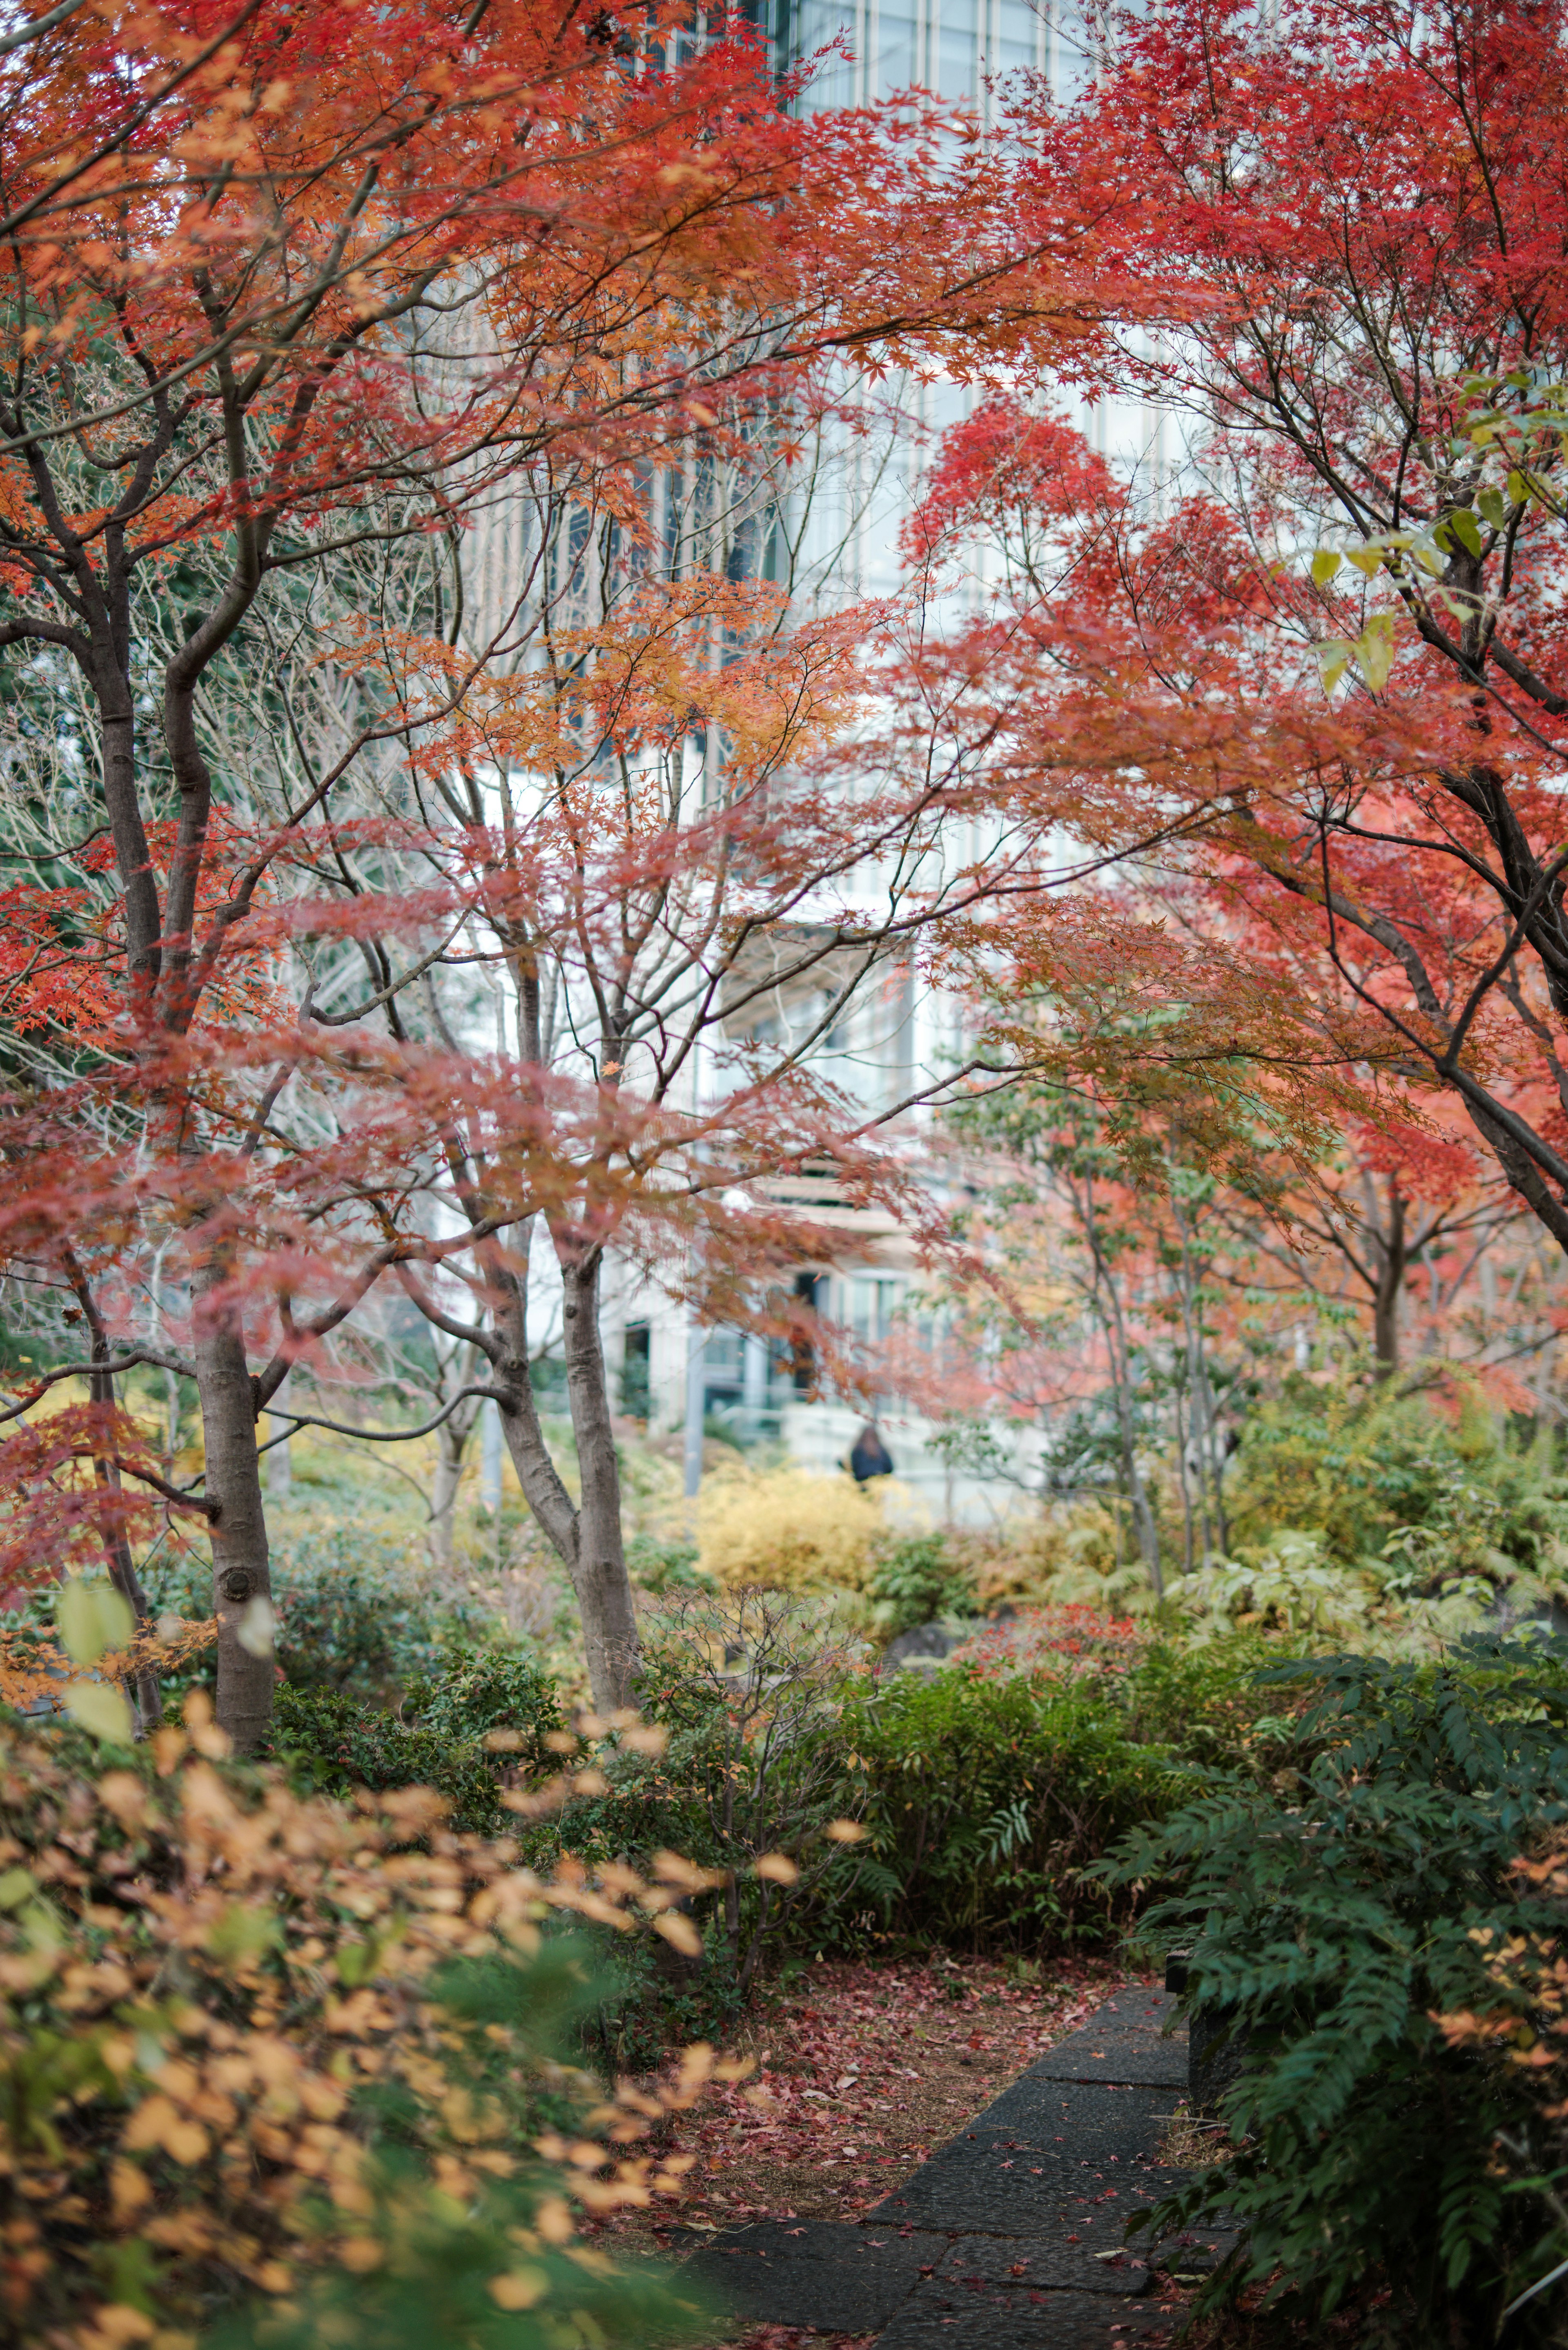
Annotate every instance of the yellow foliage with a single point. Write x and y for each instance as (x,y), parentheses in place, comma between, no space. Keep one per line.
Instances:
(1064,1556)
(204,1977)
(786,1530)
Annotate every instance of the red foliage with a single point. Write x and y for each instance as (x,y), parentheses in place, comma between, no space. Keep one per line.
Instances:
(331,320)
(1367,878)
(1068,1642)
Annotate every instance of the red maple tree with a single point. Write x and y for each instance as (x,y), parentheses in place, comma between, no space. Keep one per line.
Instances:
(1354,217)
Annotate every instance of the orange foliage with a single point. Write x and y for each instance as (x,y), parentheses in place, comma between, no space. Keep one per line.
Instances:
(34,1669)
(234,1981)
(1322,693)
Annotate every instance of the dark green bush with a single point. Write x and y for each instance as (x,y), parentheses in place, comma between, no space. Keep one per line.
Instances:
(981,1800)
(480,1689)
(333,1743)
(1203,1700)
(985,1800)
(1330,1917)
(356,1612)
(914,1581)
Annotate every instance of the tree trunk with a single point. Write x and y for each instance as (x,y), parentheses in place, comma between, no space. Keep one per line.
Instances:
(452,1442)
(537,1473)
(119,1557)
(1187,1560)
(1120,1353)
(600,1575)
(1205,1417)
(586,1540)
(240,1565)
(1142,1516)
(1389,1258)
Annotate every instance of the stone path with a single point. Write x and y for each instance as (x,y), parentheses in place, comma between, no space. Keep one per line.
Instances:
(1010,2237)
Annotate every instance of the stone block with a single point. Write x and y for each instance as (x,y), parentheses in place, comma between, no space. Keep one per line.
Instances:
(828,2274)
(936,2318)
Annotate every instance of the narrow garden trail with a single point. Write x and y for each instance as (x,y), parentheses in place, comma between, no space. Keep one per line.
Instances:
(1012,2235)
(937,2156)
(862,2071)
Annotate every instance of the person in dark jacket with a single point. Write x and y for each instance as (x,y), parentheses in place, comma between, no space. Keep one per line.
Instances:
(870,1457)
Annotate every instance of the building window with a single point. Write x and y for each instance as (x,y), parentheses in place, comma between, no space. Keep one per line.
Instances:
(634,1388)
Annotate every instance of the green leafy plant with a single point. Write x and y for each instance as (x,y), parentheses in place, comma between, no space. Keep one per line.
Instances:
(485,1714)
(1358,1465)
(357,1611)
(496,1693)
(1330,1916)
(1201,1698)
(331,1743)
(660,1565)
(983,1801)
(914,1580)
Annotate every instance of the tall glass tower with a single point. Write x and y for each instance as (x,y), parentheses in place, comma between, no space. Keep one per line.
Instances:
(958,48)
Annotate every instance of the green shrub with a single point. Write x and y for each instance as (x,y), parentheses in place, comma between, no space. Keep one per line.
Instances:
(485,1714)
(663,1566)
(1203,1700)
(979,1801)
(1363,1466)
(746,1691)
(1330,1918)
(480,1691)
(356,1612)
(914,1581)
(330,1744)
(984,1800)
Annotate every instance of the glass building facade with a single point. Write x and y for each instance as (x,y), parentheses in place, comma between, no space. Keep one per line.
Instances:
(867,483)
(958,48)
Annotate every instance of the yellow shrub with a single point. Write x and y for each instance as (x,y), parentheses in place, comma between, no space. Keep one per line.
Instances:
(262,2048)
(785,1529)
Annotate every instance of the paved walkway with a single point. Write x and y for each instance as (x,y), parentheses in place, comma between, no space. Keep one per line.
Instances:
(1010,2237)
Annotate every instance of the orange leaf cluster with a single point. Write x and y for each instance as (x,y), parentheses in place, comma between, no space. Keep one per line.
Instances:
(34,1668)
(205,1983)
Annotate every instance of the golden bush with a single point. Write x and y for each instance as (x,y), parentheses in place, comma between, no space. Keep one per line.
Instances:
(785,1528)
(282,2064)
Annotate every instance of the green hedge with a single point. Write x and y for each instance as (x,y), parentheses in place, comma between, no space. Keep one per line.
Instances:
(984,1801)
(333,1743)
